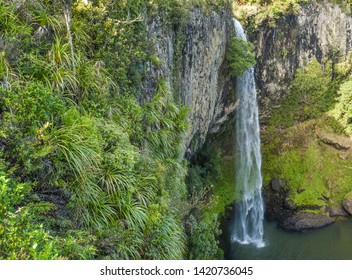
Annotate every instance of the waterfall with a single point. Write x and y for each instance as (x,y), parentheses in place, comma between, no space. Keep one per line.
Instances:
(249,209)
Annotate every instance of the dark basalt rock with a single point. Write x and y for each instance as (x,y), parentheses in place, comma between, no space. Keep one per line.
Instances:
(277,184)
(338,211)
(281,208)
(303,221)
(298,39)
(290,205)
(277,207)
(54,194)
(300,190)
(347,202)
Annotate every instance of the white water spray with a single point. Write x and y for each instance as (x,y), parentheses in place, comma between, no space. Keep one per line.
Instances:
(249,210)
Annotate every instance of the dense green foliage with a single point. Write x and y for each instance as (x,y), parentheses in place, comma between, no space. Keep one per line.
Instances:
(317,174)
(203,242)
(211,183)
(72,119)
(92,164)
(203,224)
(256,13)
(22,237)
(240,56)
(343,108)
(311,93)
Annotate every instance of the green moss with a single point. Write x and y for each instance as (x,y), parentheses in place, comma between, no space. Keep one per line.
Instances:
(224,190)
(330,123)
(342,111)
(310,95)
(313,211)
(299,172)
(315,173)
(348,196)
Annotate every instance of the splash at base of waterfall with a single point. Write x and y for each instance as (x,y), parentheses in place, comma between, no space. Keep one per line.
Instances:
(248,228)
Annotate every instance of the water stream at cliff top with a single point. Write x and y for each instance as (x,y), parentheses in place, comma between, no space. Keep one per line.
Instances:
(249,209)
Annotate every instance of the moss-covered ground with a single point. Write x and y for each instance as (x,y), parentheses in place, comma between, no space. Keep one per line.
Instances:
(317,173)
(223,190)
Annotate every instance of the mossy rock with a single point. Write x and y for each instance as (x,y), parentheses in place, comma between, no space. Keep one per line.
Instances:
(335,211)
(347,202)
(340,142)
(303,221)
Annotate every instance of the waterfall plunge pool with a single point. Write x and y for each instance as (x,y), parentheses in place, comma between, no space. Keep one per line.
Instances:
(333,242)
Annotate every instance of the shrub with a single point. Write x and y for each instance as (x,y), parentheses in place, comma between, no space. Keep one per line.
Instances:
(240,56)
(20,238)
(310,95)
(203,243)
(342,111)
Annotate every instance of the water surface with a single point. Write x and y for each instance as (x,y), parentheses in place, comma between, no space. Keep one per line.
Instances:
(333,242)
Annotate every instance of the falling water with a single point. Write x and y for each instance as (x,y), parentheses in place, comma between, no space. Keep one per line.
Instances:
(249,210)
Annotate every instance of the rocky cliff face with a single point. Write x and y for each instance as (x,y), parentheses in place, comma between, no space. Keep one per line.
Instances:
(317,30)
(192,61)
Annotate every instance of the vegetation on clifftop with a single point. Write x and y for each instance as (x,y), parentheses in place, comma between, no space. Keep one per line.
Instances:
(256,13)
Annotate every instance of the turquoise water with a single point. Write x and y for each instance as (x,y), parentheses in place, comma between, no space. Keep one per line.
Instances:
(333,242)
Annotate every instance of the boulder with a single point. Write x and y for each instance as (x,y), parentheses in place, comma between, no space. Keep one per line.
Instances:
(303,221)
(276,184)
(340,142)
(275,204)
(283,182)
(335,211)
(347,202)
(300,190)
(290,205)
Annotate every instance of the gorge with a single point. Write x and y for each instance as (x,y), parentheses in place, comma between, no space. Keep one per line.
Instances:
(118,128)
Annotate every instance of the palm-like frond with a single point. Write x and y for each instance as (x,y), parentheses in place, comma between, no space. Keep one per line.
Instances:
(59,52)
(43,22)
(117,180)
(78,143)
(9,21)
(131,211)
(79,155)
(96,209)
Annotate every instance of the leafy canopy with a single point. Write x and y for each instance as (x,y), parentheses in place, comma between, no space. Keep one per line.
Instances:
(240,56)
